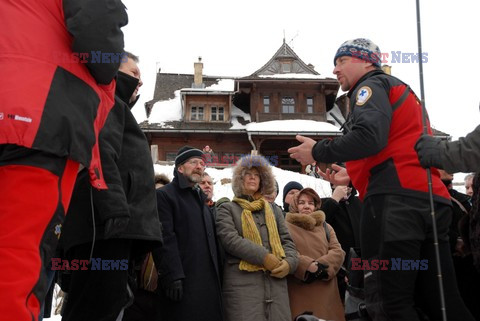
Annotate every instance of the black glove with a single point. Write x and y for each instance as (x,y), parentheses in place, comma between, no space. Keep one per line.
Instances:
(429,151)
(320,274)
(174,291)
(115,225)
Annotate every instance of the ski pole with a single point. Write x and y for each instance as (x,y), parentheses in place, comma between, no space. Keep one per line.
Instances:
(429,172)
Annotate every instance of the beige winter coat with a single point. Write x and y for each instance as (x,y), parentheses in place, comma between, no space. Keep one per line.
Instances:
(320,297)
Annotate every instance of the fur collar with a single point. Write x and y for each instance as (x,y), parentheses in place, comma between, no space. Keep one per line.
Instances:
(307,222)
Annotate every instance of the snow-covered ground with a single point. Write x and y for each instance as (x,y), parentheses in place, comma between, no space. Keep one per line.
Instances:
(282,176)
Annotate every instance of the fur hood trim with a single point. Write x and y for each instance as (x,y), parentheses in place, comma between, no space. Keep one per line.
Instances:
(306,221)
(267,180)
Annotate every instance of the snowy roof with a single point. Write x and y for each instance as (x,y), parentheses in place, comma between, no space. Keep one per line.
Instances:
(166,110)
(293,76)
(223,85)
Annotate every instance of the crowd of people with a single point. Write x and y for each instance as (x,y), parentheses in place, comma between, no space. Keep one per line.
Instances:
(78,189)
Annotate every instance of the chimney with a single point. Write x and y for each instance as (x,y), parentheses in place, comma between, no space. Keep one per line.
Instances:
(387,69)
(198,75)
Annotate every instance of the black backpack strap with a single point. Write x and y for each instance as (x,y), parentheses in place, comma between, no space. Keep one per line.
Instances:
(402,98)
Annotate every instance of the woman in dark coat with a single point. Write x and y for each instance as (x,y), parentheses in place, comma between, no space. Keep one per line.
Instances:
(259,250)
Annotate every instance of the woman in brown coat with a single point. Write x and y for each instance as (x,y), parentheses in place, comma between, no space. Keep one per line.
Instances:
(259,251)
(313,287)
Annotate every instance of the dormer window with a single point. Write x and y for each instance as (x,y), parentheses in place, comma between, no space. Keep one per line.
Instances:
(197,113)
(217,113)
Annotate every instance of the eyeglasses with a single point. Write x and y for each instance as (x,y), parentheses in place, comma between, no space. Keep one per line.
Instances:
(196,162)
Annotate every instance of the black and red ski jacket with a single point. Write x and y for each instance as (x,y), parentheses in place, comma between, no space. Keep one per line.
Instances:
(378,147)
(56,94)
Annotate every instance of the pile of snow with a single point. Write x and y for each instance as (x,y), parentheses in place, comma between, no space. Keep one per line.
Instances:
(282,176)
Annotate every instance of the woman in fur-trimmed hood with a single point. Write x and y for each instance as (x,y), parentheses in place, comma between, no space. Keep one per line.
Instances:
(314,287)
(259,250)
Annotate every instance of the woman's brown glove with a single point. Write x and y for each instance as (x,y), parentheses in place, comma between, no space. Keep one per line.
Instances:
(282,270)
(270,261)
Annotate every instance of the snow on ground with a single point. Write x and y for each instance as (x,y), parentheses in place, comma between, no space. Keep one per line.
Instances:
(282,176)
(292,125)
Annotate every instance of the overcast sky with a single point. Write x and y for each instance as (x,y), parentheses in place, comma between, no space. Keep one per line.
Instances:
(235,38)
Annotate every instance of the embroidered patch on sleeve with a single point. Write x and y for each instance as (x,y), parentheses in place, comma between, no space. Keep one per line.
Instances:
(363,94)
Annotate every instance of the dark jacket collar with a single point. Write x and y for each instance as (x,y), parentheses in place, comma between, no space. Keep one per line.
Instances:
(181,180)
(367,75)
(126,85)
(183,183)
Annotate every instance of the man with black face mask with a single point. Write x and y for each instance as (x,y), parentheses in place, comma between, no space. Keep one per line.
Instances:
(119,224)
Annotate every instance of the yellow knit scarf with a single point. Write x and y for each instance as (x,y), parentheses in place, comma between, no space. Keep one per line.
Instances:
(250,231)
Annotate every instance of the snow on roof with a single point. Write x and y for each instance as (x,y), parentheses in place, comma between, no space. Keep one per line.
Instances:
(237,112)
(293,76)
(282,176)
(166,110)
(291,125)
(223,85)
(227,85)
(338,114)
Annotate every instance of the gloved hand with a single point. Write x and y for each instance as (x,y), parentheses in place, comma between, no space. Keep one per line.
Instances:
(270,262)
(115,225)
(282,270)
(320,274)
(429,151)
(174,291)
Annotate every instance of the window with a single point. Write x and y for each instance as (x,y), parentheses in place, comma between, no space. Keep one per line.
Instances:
(288,105)
(197,113)
(266,104)
(286,67)
(310,105)
(170,156)
(217,113)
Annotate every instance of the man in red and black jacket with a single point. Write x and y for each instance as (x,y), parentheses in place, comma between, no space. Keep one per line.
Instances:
(378,148)
(58,59)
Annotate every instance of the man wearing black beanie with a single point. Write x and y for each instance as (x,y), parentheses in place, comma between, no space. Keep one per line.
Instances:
(288,190)
(188,262)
